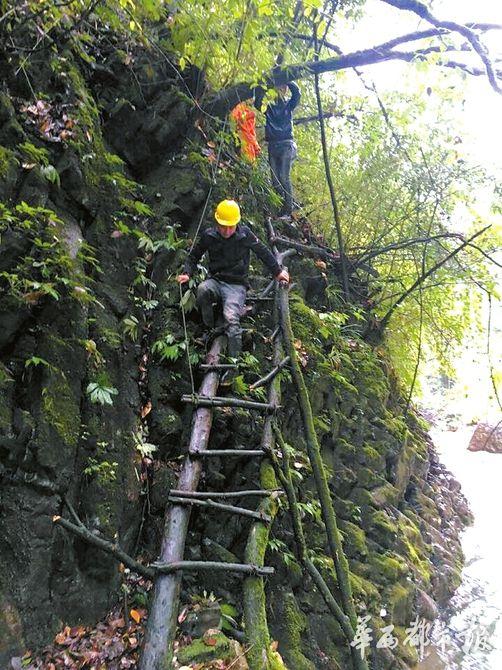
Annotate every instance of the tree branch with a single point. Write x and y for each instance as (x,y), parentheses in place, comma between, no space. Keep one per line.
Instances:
(230,96)
(110,548)
(423,12)
(384,321)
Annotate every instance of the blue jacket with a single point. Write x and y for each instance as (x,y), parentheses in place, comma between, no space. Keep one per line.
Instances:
(279,116)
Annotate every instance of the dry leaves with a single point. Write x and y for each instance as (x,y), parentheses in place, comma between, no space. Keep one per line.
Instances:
(112,644)
(52,120)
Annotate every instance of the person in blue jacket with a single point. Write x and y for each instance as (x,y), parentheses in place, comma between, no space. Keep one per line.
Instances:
(282,148)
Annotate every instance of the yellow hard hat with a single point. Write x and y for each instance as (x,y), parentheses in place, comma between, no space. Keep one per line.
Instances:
(228,213)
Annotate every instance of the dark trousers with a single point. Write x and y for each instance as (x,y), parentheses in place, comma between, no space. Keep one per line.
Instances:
(281,156)
(232,298)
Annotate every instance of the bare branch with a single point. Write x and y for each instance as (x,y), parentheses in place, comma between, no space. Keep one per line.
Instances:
(423,11)
(420,280)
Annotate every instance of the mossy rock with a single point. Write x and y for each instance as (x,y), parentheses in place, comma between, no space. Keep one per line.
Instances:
(372,458)
(210,648)
(399,600)
(384,569)
(361,497)
(369,479)
(363,590)
(407,652)
(354,540)
(346,451)
(381,528)
(346,510)
(8,172)
(384,495)
(292,626)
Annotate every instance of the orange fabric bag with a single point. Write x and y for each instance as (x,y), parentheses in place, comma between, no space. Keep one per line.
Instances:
(245,121)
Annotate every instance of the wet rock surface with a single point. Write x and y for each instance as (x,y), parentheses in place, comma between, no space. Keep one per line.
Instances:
(400,511)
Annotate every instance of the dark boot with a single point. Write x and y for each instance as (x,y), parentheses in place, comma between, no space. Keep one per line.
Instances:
(234,346)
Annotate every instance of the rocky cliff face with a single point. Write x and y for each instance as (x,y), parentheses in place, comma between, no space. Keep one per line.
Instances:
(114,168)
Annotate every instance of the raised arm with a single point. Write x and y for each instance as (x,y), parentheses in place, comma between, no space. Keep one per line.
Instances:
(295,95)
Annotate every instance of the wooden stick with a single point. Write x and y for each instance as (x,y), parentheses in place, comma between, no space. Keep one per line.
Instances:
(270,376)
(309,250)
(218,401)
(218,366)
(245,568)
(110,548)
(231,509)
(318,468)
(262,493)
(284,475)
(227,452)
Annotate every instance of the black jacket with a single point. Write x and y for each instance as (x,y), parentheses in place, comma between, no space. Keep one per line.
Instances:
(279,116)
(229,257)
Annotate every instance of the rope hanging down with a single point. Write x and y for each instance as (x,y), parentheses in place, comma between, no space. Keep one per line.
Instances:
(201,219)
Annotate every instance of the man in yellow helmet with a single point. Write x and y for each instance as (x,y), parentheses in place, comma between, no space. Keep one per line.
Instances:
(228,246)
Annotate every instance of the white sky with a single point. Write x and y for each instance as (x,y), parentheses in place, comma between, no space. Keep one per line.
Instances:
(480,118)
(480,124)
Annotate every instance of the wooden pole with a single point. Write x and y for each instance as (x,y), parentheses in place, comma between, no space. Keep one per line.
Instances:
(244,568)
(85,534)
(255,612)
(314,454)
(161,627)
(261,493)
(205,401)
(231,509)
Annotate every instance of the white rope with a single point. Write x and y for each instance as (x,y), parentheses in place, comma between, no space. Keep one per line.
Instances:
(213,182)
(187,346)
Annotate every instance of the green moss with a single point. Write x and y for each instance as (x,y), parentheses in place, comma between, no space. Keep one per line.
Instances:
(5,412)
(399,600)
(306,325)
(370,457)
(276,662)
(354,540)
(384,495)
(364,590)
(8,162)
(371,378)
(293,624)
(200,652)
(369,479)
(267,476)
(61,409)
(407,652)
(385,569)
(381,528)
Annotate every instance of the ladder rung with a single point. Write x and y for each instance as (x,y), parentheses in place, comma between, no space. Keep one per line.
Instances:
(218,366)
(218,401)
(228,452)
(225,494)
(231,509)
(245,568)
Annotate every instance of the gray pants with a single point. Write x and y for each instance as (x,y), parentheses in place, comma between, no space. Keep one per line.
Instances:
(232,298)
(281,156)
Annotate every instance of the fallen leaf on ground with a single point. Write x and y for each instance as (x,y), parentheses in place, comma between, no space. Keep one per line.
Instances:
(134,614)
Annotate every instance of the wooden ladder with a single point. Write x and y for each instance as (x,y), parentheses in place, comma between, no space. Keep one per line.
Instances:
(162,619)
